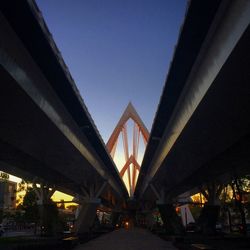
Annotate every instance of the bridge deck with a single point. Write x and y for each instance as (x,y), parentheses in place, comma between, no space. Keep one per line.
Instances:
(133,239)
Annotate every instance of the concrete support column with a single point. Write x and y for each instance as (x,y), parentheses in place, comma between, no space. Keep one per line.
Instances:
(211,210)
(47,212)
(208,218)
(171,220)
(86,216)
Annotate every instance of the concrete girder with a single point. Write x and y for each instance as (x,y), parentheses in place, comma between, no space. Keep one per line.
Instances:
(231,21)
(16,60)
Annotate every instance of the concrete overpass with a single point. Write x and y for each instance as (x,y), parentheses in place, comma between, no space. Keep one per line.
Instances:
(46,130)
(201,130)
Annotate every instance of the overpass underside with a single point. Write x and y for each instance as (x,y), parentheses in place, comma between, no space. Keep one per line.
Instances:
(46,133)
(200,133)
(201,130)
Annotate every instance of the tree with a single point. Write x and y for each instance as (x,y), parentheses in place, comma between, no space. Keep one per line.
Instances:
(240,185)
(20,192)
(30,206)
(212,191)
(50,218)
(72,208)
(211,210)
(4,176)
(62,205)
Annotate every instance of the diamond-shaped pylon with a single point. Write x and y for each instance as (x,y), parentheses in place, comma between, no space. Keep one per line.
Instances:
(130,160)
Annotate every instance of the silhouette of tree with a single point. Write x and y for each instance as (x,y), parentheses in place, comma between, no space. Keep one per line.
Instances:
(30,206)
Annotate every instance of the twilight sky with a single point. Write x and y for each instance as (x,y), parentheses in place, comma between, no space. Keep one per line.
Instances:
(117,51)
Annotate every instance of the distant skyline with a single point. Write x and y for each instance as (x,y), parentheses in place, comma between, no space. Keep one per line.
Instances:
(117,51)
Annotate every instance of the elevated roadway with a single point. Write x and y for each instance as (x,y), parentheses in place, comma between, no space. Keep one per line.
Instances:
(201,130)
(46,130)
(200,133)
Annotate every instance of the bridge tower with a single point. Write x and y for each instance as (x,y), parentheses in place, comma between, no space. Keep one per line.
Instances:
(131,165)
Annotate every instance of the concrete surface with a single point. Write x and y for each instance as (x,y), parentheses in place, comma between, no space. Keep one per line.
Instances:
(132,239)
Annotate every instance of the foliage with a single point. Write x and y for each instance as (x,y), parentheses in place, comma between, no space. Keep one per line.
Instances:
(30,206)
(212,191)
(4,176)
(20,192)
(72,208)
(62,205)
(245,183)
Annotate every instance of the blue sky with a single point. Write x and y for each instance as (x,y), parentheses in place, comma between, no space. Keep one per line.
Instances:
(117,51)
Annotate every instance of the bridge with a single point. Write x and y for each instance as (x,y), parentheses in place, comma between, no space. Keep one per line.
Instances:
(200,132)
(201,128)
(46,129)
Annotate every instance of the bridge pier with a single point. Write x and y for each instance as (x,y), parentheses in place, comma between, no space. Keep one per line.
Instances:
(46,210)
(208,218)
(211,210)
(86,216)
(171,220)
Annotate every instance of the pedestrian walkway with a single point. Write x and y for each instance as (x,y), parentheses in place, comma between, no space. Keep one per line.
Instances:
(132,239)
